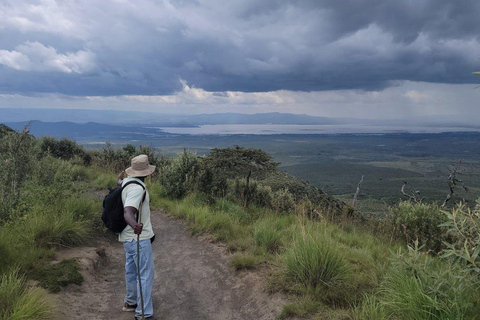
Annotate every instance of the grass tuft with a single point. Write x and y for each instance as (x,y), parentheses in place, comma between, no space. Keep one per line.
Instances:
(17,301)
(315,261)
(244,261)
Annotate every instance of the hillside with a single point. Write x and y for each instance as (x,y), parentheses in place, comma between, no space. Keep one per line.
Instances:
(329,262)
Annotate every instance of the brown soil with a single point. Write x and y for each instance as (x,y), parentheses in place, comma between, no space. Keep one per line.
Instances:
(193,281)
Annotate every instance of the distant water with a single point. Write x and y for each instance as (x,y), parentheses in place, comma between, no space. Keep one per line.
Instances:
(230,129)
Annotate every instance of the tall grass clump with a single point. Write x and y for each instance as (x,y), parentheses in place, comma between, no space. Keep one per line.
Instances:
(371,308)
(269,233)
(56,229)
(316,262)
(19,301)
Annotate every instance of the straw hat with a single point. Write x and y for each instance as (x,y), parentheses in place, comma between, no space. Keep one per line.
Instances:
(140,167)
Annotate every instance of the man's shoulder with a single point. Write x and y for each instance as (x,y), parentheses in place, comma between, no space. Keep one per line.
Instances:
(133,182)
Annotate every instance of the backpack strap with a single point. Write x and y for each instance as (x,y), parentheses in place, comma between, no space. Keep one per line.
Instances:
(144,194)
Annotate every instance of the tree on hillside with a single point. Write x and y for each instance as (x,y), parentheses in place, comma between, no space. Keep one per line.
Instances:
(17,154)
(235,162)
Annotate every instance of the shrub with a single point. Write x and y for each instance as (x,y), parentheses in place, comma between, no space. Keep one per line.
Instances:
(180,175)
(283,201)
(418,221)
(104,181)
(64,148)
(463,229)
(419,286)
(17,156)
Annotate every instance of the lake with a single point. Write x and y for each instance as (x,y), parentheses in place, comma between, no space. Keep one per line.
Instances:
(268,129)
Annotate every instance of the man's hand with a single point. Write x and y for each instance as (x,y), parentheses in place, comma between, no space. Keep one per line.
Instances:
(120,177)
(138,228)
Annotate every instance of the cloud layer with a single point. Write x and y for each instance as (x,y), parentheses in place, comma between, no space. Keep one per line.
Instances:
(143,47)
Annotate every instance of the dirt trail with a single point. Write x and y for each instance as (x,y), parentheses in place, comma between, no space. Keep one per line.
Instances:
(192,281)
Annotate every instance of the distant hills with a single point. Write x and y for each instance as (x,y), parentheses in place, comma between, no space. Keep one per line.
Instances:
(158,119)
(83,131)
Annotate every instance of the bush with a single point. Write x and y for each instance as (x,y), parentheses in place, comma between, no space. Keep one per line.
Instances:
(17,159)
(65,149)
(419,286)
(463,229)
(104,181)
(418,221)
(283,201)
(180,176)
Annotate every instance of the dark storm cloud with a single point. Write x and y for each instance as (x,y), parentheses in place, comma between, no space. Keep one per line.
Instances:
(145,47)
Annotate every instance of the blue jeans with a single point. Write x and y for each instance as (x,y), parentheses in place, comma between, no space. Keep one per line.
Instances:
(146,275)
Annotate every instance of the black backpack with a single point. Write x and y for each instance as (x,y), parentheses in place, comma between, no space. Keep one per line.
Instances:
(112,214)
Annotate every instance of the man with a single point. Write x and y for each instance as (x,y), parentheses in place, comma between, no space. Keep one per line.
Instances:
(136,201)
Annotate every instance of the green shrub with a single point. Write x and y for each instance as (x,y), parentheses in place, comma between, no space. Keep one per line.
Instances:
(419,286)
(64,148)
(104,181)
(283,201)
(17,159)
(463,229)
(180,176)
(418,221)
(17,301)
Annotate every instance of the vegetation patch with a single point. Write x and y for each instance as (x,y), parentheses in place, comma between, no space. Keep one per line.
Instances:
(54,277)
(20,301)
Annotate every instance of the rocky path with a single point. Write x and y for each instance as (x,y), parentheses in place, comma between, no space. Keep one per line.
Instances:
(192,281)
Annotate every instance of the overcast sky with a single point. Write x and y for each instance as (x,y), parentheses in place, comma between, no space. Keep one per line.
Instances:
(363,58)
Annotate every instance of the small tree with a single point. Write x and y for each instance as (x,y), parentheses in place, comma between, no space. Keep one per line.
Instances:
(17,156)
(235,162)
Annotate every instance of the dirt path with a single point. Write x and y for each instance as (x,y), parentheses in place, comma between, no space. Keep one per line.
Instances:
(192,281)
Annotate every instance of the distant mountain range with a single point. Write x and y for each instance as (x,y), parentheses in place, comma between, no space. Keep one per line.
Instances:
(86,131)
(158,119)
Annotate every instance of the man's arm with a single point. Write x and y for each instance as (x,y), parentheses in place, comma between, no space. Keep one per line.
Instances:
(129,215)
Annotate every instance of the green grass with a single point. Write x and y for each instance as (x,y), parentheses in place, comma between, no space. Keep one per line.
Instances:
(270,233)
(244,261)
(19,301)
(105,180)
(53,277)
(370,309)
(55,229)
(316,262)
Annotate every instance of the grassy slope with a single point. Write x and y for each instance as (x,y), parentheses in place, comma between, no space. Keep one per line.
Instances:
(331,270)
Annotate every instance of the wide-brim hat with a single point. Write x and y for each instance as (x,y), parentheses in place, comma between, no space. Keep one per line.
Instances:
(140,167)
